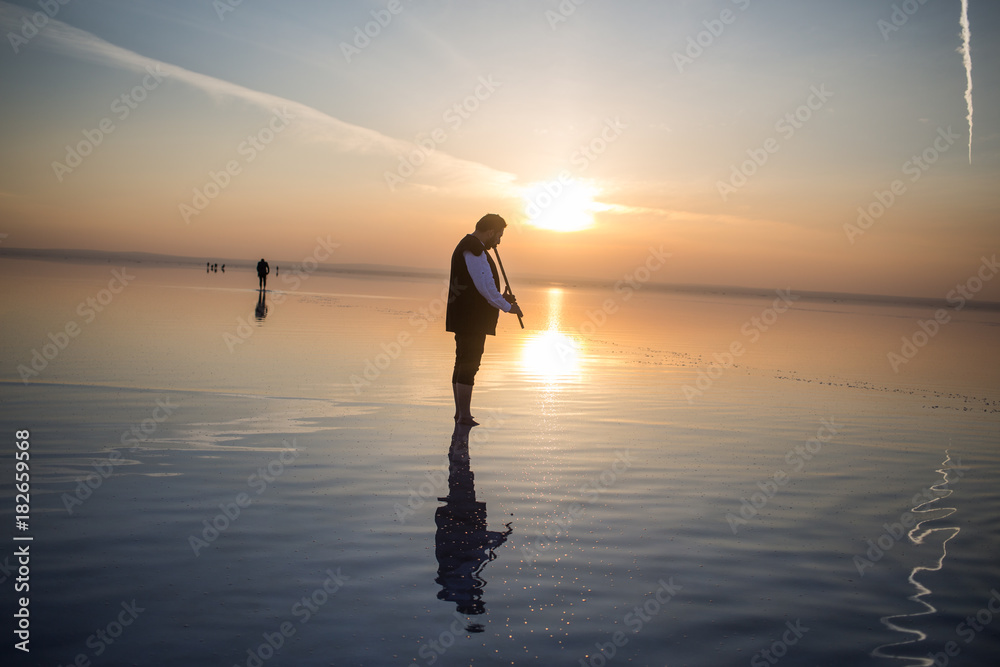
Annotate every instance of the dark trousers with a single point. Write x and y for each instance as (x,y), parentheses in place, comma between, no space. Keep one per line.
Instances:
(468,353)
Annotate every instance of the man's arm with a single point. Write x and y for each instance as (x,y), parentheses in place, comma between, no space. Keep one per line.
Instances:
(482,278)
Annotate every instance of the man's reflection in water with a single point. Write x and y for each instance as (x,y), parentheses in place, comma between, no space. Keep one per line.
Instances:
(463,545)
(261,311)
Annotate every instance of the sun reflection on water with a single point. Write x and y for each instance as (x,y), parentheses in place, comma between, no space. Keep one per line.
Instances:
(551,355)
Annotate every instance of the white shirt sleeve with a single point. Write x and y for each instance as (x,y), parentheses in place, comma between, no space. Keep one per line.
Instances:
(482,277)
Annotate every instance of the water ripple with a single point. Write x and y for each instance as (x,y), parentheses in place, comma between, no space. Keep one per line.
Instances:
(918,535)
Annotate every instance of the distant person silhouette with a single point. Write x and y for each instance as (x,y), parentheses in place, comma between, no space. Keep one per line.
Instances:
(208,267)
(223,268)
(262,270)
(463,544)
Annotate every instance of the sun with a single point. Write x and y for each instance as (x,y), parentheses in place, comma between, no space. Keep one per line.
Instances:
(562,205)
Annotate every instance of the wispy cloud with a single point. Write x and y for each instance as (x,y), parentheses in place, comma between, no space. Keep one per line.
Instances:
(440,172)
(675,215)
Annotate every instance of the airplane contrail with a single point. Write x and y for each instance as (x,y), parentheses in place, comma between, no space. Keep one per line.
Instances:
(967,60)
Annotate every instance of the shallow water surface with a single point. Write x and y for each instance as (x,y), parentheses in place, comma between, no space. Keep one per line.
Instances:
(285,486)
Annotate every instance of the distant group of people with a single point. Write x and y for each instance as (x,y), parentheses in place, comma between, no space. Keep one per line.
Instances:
(263,270)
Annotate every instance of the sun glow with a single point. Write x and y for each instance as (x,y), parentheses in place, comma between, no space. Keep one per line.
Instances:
(562,205)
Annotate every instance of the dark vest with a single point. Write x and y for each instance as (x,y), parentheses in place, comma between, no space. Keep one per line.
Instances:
(468,312)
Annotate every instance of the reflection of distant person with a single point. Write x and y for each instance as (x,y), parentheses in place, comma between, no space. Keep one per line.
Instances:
(474,305)
(462,544)
(262,270)
(261,311)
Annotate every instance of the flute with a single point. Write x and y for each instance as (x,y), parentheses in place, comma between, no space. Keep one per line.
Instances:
(507,283)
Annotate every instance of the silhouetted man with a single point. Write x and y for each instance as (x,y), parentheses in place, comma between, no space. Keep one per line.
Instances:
(262,270)
(474,305)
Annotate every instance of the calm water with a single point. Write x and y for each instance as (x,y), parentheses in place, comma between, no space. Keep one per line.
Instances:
(286,488)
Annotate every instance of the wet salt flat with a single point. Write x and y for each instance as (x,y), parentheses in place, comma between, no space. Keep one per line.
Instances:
(214,484)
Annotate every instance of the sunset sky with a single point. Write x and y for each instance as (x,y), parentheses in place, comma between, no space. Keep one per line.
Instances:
(242,129)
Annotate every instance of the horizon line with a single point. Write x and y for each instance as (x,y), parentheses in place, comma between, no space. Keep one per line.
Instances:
(86,256)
